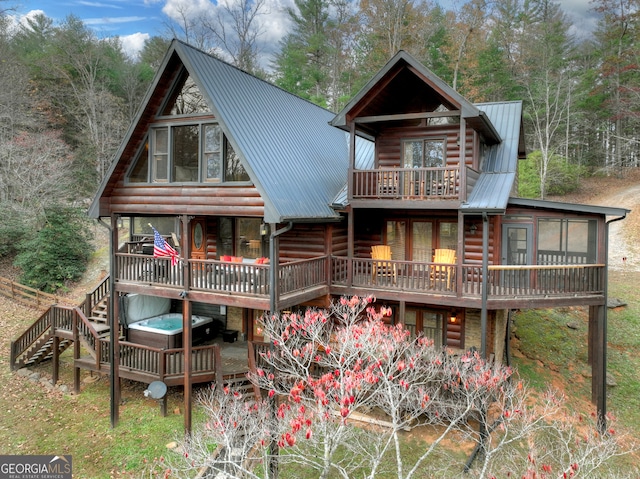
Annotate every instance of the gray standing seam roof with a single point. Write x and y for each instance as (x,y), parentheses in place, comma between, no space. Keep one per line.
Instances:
(495,183)
(297,161)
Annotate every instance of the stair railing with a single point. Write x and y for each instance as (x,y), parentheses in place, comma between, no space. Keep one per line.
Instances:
(95,296)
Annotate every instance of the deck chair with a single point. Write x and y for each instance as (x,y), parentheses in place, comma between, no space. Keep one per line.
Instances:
(387,183)
(441,273)
(382,265)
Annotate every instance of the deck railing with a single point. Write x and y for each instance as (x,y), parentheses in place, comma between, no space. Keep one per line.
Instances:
(147,269)
(166,364)
(503,281)
(407,183)
(222,276)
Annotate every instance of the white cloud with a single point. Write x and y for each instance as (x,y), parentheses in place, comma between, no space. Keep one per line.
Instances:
(132,44)
(177,9)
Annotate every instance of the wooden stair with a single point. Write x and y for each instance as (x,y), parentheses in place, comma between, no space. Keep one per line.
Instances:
(99,313)
(43,350)
(99,318)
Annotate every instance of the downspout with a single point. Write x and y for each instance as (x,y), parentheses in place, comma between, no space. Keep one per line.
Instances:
(601,405)
(275,265)
(113,337)
(485,284)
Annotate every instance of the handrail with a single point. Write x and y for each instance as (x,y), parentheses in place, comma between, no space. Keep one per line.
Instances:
(96,295)
(522,267)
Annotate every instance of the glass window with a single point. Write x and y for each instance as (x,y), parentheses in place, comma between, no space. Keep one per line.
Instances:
(140,171)
(427,153)
(422,249)
(234,171)
(185,99)
(212,153)
(160,154)
(567,241)
(185,153)
(180,148)
(248,243)
(448,235)
(396,239)
(240,237)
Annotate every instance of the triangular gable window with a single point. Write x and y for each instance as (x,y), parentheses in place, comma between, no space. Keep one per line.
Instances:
(185,98)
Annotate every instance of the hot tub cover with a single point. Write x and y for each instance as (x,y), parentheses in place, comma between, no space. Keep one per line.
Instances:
(136,307)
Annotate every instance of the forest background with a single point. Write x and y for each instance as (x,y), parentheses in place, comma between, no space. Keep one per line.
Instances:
(69,96)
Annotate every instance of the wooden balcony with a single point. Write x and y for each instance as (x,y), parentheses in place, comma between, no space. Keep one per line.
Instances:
(461,284)
(221,281)
(407,184)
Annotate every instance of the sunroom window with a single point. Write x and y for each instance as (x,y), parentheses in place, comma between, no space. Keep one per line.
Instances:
(188,153)
(566,241)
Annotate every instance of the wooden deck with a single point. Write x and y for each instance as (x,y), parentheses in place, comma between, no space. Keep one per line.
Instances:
(248,285)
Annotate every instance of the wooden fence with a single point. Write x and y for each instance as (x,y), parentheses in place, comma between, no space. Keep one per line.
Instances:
(29,296)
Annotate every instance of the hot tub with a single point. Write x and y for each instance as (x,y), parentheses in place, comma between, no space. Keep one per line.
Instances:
(165,331)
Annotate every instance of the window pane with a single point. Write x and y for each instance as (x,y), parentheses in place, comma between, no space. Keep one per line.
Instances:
(434,153)
(422,241)
(160,154)
(186,99)
(249,239)
(140,171)
(396,239)
(212,153)
(234,171)
(413,154)
(448,238)
(185,152)
(225,236)
(549,235)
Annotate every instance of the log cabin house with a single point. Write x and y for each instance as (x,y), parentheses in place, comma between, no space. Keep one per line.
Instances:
(275,203)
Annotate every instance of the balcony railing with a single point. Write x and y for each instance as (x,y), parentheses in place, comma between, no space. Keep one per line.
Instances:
(402,276)
(503,281)
(407,183)
(222,276)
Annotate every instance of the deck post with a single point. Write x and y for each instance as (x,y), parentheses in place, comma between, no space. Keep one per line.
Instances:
(597,317)
(186,345)
(56,358)
(485,284)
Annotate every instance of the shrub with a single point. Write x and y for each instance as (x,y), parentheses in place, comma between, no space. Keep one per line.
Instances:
(562,176)
(58,253)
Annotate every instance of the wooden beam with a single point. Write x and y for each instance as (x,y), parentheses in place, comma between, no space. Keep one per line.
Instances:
(406,116)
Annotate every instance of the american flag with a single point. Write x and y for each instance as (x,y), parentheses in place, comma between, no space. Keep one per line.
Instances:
(161,248)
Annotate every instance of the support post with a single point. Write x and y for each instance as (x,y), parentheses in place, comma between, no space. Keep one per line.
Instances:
(187,333)
(485,285)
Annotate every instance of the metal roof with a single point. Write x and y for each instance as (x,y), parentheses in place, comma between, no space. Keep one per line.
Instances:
(498,172)
(572,207)
(297,161)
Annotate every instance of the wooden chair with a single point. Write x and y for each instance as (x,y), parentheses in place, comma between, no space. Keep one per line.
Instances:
(382,265)
(387,183)
(442,273)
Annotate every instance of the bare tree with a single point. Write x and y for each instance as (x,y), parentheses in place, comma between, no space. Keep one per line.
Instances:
(326,373)
(237,27)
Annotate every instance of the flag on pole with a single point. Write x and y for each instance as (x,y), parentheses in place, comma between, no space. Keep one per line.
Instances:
(162,249)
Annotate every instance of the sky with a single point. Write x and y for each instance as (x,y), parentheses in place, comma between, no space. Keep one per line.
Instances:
(136,20)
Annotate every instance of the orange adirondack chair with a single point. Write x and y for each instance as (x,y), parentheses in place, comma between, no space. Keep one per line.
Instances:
(442,272)
(382,265)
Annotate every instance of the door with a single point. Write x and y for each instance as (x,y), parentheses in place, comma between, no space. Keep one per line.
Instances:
(517,250)
(198,239)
